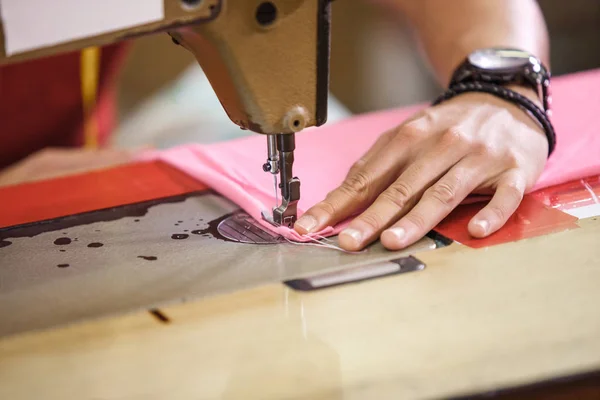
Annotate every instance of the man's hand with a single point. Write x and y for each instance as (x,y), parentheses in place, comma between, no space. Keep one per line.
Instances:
(417,173)
(52,163)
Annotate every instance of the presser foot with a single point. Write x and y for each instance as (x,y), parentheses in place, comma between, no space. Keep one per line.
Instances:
(280,161)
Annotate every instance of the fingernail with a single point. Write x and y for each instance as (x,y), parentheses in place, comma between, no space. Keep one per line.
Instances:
(398,233)
(483,225)
(307,222)
(355,235)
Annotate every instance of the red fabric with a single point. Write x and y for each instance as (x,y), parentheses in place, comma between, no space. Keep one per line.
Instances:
(531,219)
(127,184)
(40,103)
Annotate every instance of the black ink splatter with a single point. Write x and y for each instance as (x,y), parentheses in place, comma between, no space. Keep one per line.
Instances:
(63,265)
(95,244)
(179,236)
(148,258)
(62,241)
(111,214)
(4,243)
(179,222)
(211,230)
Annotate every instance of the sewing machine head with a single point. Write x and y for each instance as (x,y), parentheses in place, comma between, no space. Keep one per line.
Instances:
(267,61)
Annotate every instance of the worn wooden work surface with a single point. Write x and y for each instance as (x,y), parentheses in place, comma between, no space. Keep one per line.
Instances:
(472,321)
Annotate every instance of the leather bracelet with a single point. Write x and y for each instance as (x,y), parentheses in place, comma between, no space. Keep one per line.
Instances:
(508,95)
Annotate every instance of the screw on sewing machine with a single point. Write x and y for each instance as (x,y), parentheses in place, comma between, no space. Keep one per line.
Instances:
(189,5)
(266,13)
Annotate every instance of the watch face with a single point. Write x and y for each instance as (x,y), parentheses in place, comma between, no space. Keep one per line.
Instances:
(500,59)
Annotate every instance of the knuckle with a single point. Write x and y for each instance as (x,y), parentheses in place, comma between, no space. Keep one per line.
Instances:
(372,220)
(498,212)
(409,132)
(356,167)
(387,135)
(444,193)
(483,149)
(357,186)
(417,220)
(454,136)
(398,194)
(514,191)
(511,160)
(327,207)
(489,152)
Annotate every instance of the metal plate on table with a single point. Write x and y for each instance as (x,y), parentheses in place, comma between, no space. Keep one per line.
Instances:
(146,255)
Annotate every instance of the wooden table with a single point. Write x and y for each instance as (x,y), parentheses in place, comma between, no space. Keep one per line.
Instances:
(473,321)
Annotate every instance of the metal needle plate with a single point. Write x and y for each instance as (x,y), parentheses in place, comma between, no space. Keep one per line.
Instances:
(241,227)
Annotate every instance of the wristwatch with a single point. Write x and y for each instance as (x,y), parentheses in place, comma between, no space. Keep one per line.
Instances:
(492,70)
(506,66)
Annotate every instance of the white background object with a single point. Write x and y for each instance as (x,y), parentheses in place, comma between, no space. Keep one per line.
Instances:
(32,24)
(585,211)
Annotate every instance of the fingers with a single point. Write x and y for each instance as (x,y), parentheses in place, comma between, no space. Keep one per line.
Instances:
(437,202)
(398,198)
(366,179)
(506,200)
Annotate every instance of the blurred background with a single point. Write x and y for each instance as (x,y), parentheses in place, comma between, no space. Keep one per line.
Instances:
(369,50)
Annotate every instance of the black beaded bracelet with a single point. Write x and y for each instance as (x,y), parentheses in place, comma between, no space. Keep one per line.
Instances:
(508,95)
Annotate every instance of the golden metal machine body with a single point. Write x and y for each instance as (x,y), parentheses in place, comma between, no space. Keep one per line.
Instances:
(267,61)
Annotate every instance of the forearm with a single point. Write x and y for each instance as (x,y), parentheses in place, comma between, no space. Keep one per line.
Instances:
(449,30)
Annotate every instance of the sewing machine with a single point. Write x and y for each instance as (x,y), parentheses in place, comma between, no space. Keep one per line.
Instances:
(268,62)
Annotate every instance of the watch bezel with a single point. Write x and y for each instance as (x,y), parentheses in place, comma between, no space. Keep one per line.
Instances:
(532,73)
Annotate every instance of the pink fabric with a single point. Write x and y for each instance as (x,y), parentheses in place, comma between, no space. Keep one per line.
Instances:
(324,155)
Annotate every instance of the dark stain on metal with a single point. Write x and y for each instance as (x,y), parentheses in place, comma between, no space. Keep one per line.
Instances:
(180,236)
(5,243)
(212,230)
(63,265)
(160,316)
(95,245)
(105,215)
(63,241)
(148,258)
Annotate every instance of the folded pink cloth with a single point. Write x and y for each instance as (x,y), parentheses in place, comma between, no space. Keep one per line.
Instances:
(324,155)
